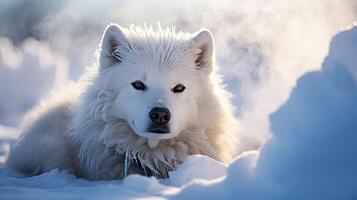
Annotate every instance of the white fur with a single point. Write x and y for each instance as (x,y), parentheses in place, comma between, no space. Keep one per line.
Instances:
(97,129)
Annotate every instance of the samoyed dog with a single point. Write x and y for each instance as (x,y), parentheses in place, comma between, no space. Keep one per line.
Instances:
(154,98)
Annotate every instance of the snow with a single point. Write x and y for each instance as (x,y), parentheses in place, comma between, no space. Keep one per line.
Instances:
(194,169)
(310,155)
(62,185)
(35,73)
(8,136)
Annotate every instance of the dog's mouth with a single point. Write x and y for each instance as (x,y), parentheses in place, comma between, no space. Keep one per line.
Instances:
(164,129)
(153,132)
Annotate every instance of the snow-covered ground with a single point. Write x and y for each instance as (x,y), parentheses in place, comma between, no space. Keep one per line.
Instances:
(310,155)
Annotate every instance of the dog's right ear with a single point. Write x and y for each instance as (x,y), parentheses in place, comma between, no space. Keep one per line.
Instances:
(113,41)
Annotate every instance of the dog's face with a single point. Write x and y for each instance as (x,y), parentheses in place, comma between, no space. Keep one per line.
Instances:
(157,80)
(156,104)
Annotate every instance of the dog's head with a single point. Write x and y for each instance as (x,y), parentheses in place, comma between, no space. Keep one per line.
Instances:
(158,76)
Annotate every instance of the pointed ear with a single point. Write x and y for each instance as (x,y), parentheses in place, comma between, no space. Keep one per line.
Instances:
(203,46)
(113,41)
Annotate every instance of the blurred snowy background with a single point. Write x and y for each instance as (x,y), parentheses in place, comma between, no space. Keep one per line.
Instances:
(264,49)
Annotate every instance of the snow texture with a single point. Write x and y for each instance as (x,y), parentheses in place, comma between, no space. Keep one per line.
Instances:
(310,155)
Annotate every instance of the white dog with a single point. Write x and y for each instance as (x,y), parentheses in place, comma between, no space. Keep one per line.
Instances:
(154,99)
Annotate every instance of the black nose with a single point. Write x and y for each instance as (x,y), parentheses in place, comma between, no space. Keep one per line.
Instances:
(160,115)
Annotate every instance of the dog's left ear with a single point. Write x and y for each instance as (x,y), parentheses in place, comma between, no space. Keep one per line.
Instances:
(202,44)
(113,41)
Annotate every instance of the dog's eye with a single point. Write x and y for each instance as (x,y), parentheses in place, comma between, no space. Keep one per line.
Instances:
(138,85)
(178,88)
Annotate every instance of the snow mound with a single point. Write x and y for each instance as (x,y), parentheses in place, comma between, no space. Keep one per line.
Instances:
(197,167)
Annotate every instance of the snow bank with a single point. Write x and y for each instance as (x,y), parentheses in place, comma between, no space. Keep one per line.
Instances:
(61,185)
(197,168)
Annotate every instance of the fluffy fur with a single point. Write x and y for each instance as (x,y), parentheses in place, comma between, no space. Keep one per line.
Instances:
(96,127)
